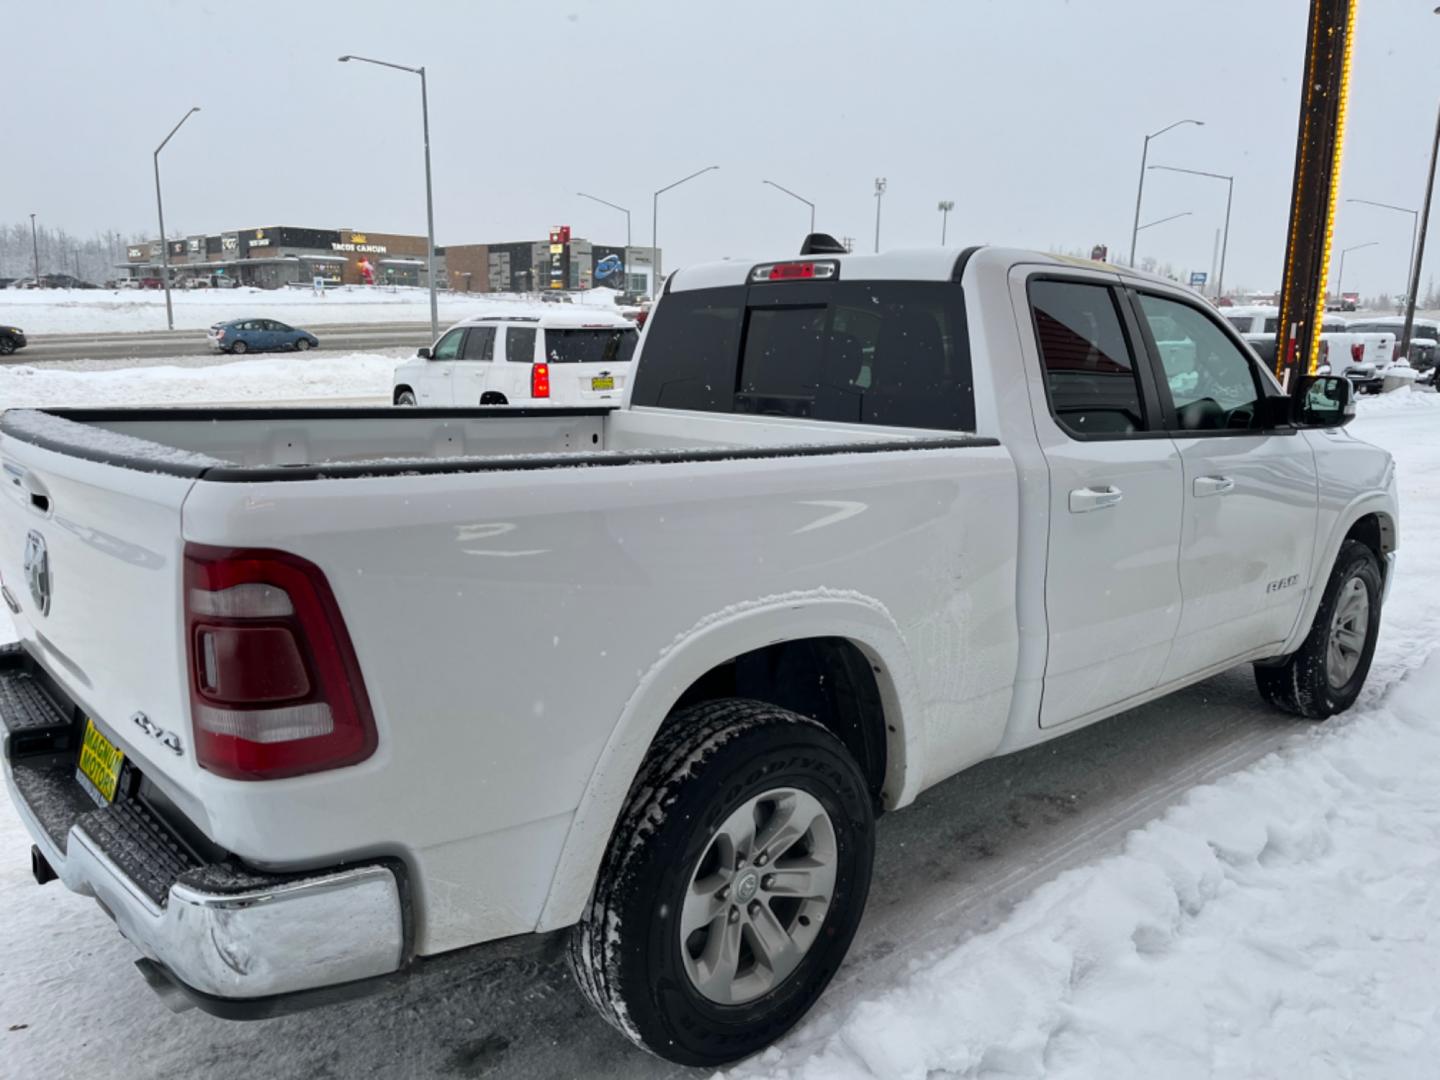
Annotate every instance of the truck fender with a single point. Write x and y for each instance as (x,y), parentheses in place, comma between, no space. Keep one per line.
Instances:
(1328,550)
(710,642)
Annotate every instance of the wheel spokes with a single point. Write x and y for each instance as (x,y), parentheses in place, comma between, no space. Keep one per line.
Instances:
(804,879)
(716,967)
(775,950)
(791,818)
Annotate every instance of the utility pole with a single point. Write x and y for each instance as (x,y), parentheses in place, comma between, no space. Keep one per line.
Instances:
(34,247)
(879,197)
(946,205)
(1420,243)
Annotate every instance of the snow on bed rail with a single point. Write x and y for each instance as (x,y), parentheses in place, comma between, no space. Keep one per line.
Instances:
(133,453)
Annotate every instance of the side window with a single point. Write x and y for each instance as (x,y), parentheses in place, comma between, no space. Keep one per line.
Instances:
(480,344)
(691,342)
(1210,380)
(520,344)
(449,346)
(1089,368)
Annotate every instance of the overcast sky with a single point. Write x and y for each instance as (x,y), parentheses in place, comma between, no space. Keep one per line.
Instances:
(1029,114)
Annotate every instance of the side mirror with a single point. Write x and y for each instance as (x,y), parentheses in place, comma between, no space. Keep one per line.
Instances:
(423,353)
(1323,401)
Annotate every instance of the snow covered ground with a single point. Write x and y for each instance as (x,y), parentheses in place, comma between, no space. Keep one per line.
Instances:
(1280,921)
(69,311)
(353,379)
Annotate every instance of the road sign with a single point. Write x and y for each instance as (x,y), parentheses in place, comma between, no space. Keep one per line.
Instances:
(1197,277)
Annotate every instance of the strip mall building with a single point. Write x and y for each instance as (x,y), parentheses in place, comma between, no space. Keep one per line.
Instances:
(277,256)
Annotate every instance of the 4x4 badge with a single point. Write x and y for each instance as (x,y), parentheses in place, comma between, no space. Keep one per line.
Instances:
(167,739)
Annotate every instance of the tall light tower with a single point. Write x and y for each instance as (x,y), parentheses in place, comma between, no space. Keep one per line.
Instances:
(946,205)
(879,197)
(160,210)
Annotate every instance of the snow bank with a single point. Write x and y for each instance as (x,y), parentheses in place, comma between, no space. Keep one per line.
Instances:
(1278,923)
(356,375)
(68,311)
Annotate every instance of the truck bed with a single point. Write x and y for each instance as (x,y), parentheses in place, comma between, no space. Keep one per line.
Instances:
(250,445)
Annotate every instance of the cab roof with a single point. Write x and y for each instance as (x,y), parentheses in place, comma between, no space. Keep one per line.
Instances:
(583,319)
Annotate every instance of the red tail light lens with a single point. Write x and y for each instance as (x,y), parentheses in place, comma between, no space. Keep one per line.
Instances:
(540,380)
(794,271)
(275,688)
(1357,351)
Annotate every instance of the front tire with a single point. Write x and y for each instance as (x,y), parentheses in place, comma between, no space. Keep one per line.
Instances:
(7,346)
(733,885)
(405,397)
(1326,674)
(302,345)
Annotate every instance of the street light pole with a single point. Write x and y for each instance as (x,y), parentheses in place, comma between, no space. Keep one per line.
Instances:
(1140,190)
(1340,277)
(1414,225)
(1163,220)
(1420,244)
(792,194)
(1229,197)
(655,224)
(880,185)
(429,187)
(612,206)
(35,248)
(946,205)
(160,210)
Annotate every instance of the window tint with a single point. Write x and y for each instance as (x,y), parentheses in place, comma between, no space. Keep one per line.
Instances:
(449,346)
(893,353)
(607,346)
(520,344)
(1089,370)
(1240,322)
(280,326)
(480,344)
(1272,324)
(1210,380)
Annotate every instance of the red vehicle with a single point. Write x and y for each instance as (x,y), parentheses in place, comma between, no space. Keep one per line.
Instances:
(1349,301)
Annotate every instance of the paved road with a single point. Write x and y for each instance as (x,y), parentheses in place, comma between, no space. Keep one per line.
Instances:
(163,343)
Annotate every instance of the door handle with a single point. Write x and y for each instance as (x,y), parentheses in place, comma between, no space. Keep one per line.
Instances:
(1212,485)
(1083,500)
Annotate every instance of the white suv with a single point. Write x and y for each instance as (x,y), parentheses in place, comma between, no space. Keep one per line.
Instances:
(566,358)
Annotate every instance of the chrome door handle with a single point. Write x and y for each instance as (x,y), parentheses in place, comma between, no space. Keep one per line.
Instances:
(1212,485)
(1083,500)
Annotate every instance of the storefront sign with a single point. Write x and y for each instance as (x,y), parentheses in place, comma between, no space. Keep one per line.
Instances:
(135,253)
(358,243)
(229,243)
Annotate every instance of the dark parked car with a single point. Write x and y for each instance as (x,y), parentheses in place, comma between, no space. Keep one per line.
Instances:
(257,335)
(11,338)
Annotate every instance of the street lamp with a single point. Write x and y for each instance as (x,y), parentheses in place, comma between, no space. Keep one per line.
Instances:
(792,194)
(429,193)
(880,185)
(1420,243)
(1414,226)
(655,224)
(1163,220)
(595,198)
(35,247)
(160,209)
(1230,194)
(1140,191)
(1340,277)
(946,205)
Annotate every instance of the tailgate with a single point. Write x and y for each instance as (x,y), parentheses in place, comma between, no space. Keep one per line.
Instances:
(105,621)
(595,383)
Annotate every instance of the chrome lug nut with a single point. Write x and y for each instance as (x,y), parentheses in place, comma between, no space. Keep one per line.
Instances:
(768,881)
(734,914)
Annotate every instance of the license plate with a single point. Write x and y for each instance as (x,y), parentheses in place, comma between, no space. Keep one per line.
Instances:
(100,763)
(606,382)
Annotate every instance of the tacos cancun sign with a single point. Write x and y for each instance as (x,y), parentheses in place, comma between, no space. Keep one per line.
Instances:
(358,242)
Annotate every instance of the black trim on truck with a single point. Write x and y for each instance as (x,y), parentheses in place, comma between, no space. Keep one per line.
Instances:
(241,474)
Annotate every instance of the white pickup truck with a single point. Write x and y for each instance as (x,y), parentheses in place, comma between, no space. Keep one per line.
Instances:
(1362,356)
(305,698)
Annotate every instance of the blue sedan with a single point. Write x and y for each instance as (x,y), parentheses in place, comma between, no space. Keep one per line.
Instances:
(257,335)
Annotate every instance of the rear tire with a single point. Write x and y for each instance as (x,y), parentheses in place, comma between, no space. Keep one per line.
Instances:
(1326,674)
(723,795)
(405,397)
(239,348)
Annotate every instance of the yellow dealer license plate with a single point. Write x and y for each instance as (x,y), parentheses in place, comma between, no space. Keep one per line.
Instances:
(606,383)
(100,762)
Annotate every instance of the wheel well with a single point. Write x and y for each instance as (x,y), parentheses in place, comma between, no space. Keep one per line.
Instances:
(826,679)
(395,398)
(493,397)
(1375,531)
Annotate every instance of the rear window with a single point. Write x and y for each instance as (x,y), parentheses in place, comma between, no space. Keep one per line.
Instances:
(607,346)
(887,353)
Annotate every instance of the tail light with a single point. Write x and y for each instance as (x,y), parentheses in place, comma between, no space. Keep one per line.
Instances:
(275,688)
(540,380)
(1357,351)
(795,271)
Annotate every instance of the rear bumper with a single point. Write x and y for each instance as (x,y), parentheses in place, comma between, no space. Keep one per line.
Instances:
(218,929)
